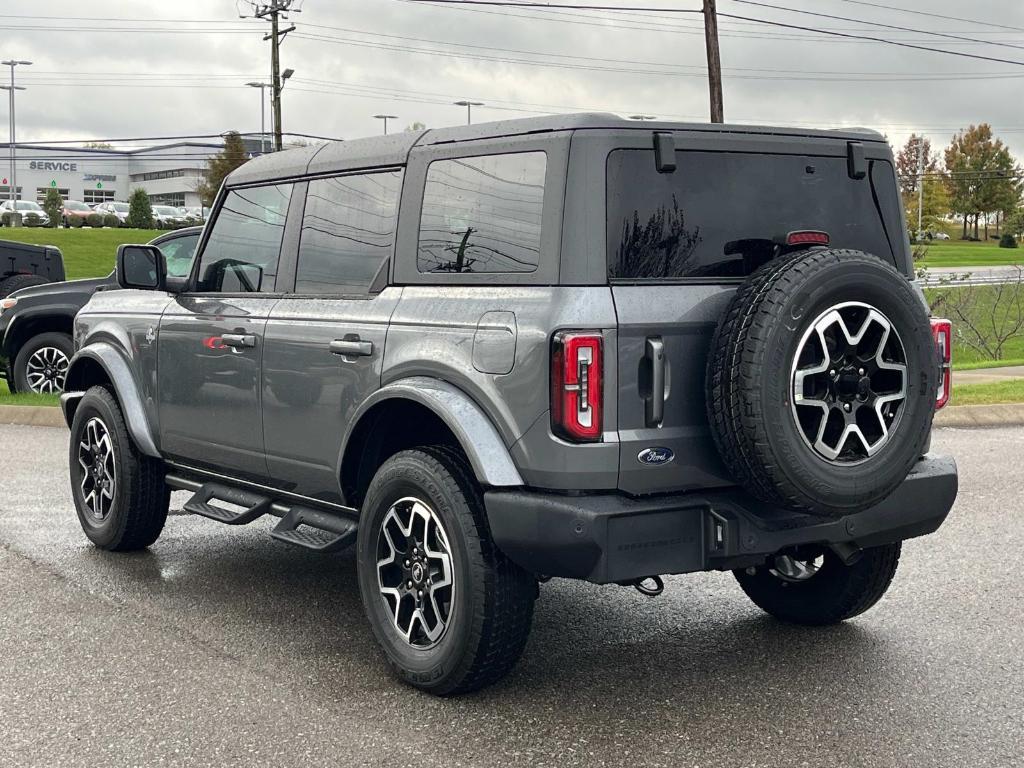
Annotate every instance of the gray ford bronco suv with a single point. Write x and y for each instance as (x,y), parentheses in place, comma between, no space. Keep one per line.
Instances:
(486,356)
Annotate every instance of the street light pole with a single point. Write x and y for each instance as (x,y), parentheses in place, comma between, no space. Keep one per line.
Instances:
(469,108)
(12,63)
(263,115)
(385,118)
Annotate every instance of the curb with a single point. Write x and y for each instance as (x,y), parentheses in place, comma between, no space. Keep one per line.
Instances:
(1001,415)
(32,415)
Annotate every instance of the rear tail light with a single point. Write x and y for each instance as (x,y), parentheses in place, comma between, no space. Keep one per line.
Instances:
(577,385)
(942,331)
(807,237)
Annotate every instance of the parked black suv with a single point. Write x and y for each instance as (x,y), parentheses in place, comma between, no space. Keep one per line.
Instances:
(36,322)
(578,346)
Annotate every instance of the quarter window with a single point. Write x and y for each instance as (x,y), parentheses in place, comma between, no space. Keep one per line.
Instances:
(242,252)
(483,214)
(348,230)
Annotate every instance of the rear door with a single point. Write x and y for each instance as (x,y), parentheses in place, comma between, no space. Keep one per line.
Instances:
(679,241)
(325,342)
(211,338)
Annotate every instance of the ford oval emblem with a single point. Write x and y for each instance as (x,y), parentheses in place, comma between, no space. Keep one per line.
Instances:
(655,456)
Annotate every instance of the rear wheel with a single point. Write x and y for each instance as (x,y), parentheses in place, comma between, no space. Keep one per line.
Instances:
(450,611)
(120,494)
(814,587)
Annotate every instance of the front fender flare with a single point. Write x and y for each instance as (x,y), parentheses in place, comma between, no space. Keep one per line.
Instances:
(488,456)
(125,389)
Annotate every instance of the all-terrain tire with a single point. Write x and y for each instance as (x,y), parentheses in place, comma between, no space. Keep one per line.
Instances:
(750,387)
(492,608)
(141,498)
(835,593)
(17,282)
(60,343)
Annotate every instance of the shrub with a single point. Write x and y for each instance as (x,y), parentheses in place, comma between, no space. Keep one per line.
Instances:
(110,220)
(140,210)
(94,220)
(1007,241)
(5,219)
(33,219)
(53,204)
(76,221)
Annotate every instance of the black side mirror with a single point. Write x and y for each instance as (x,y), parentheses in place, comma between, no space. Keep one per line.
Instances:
(141,266)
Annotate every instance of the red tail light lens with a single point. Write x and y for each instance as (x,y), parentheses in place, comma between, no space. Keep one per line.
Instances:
(577,385)
(942,331)
(807,237)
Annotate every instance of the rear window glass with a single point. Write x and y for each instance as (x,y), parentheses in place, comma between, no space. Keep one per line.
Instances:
(483,214)
(718,213)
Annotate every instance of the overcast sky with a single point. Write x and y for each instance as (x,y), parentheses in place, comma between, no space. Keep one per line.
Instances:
(120,68)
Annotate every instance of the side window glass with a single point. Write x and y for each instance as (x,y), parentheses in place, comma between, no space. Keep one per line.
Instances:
(348,229)
(179,253)
(483,214)
(243,250)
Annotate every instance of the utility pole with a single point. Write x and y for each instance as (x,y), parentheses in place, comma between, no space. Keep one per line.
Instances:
(714,60)
(920,183)
(275,11)
(12,63)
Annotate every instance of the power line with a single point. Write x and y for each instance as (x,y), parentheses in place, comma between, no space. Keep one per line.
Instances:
(933,15)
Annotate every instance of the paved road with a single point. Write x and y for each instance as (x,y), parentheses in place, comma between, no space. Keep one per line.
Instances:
(221,646)
(989,375)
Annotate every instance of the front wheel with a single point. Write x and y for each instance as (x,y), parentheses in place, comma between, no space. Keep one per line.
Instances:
(120,494)
(450,611)
(812,586)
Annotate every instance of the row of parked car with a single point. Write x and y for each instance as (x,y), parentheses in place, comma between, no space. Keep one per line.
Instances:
(76,212)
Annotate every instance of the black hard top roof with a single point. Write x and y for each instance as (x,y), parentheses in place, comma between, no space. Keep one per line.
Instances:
(394,149)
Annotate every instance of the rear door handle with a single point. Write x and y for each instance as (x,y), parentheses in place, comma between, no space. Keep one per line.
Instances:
(351,348)
(238,340)
(654,408)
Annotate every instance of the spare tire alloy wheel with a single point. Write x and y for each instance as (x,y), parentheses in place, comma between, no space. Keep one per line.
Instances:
(46,370)
(849,382)
(414,572)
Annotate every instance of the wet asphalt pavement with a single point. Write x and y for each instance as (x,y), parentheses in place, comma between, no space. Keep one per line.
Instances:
(220,646)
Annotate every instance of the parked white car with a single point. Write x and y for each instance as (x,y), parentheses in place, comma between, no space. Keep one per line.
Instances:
(24,207)
(114,208)
(167,216)
(940,236)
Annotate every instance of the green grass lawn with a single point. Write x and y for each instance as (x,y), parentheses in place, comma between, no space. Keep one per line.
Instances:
(963,253)
(87,252)
(6,398)
(964,357)
(1011,391)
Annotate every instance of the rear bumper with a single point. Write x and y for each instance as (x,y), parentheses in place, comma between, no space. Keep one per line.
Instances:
(606,538)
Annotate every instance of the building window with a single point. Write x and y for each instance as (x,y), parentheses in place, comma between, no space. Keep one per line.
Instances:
(483,214)
(172,173)
(5,193)
(348,230)
(96,196)
(64,193)
(177,199)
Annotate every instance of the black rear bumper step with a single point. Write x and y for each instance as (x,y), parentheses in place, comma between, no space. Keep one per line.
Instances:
(315,530)
(255,506)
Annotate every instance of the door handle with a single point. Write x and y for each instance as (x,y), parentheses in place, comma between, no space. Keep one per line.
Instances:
(351,347)
(238,340)
(654,407)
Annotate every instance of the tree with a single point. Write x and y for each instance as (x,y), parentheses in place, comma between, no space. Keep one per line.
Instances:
(906,163)
(1014,222)
(981,176)
(417,126)
(140,210)
(985,317)
(934,204)
(220,165)
(53,204)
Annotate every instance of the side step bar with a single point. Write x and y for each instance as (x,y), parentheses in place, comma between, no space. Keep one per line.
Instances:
(299,525)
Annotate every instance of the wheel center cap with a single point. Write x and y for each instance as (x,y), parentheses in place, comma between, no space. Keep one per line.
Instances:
(417,573)
(848,383)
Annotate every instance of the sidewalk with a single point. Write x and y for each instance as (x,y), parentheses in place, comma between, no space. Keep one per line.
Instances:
(988,375)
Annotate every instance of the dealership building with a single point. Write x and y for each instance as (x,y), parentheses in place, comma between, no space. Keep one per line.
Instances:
(170,173)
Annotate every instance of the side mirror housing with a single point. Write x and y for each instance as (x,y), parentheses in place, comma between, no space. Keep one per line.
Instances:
(142,267)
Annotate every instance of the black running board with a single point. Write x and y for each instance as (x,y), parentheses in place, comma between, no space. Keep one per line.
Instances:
(254,506)
(315,530)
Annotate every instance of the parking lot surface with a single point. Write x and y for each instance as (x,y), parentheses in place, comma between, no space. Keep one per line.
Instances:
(220,646)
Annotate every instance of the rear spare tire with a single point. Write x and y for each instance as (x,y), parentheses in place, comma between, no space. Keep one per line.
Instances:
(821,381)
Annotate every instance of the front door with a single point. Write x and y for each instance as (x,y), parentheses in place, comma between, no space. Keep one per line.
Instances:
(211,338)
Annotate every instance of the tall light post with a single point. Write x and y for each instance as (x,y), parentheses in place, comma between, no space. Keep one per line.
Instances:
(263,114)
(12,63)
(385,118)
(469,108)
